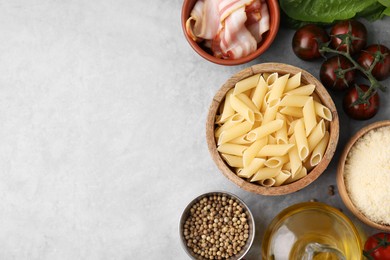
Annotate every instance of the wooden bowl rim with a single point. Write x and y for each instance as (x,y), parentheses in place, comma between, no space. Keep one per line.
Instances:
(340,175)
(315,172)
(274,11)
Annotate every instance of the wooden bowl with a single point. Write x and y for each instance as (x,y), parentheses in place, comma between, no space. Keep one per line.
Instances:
(268,37)
(340,176)
(305,79)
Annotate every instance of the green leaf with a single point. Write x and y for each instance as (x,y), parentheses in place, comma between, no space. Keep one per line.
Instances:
(324,11)
(385,2)
(291,23)
(373,12)
(387,11)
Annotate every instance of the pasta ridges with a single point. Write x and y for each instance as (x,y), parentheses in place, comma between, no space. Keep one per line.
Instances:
(269,132)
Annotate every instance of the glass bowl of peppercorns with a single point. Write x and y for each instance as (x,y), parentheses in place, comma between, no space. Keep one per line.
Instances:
(217,225)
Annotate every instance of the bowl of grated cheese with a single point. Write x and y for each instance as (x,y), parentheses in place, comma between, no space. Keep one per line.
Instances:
(363,175)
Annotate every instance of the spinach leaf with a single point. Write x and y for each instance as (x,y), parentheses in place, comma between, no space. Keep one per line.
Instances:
(387,11)
(373,12)
(325,11)
(385,2)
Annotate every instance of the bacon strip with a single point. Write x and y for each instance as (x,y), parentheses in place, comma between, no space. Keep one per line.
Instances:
(261,26)
(237,41)
(231,27)
(204,20)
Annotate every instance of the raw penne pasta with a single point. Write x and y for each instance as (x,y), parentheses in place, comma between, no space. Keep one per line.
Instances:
(278,88)
(234,132)
(319,150)
(227,110)
(242,109)
(295,160)
(306,90)
(241,140)
(252,168)
(232,121)
(259,93)
(281,134)
(232,149)
(290,130)
(282,176)
(316,135)
(276,162)
(293,101)
(250,153)
(271,129)
(293,82)
(275,150)
(302,173)
(271,140)
(309,116)
(265,173)
(301,140)
(286,166)
(246,84)
(237,170)
(271,79)
(270,113)
(264,130)
(323,111)
(307,165)
(292,111)
(248,102)
(267,182)
(266,75)
(232,160)
(316,98)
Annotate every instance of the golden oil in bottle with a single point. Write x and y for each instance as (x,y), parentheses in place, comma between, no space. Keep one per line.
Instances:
(311,231)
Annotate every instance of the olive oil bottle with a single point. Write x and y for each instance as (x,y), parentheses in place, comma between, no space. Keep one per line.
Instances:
(311,230)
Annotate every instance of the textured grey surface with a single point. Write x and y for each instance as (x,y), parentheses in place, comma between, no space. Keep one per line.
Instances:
(103,108)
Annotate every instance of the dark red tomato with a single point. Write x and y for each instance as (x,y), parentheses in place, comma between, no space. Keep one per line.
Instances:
(361,111)
(358,32)
(332,73)
(377,246)
(381,70)
(305,41)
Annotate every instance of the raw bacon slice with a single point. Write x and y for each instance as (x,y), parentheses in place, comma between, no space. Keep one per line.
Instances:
(258,28)
(253,13)
(231,28)
(227,7)
(204,21)
(237,41)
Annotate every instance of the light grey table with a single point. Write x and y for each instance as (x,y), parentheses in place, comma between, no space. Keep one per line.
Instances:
(103,107)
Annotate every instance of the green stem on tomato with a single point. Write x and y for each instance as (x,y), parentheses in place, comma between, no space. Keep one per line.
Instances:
(374,84)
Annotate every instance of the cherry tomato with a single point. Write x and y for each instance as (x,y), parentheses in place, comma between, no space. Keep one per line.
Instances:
(361,111)
(332,73)
(358,32)
(381,70)
(305,41)
(377,246)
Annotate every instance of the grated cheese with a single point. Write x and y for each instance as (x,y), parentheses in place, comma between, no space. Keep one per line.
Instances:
(367,175)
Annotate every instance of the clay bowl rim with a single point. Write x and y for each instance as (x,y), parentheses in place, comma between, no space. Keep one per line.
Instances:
(315,172)
(340,175)
(274,11)
(251,222)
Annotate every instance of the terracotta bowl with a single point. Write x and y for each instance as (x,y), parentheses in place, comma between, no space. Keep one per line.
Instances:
(281,69)
(340,176)
(268,37)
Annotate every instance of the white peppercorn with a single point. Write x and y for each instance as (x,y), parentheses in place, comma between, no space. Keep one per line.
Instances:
(217,227)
